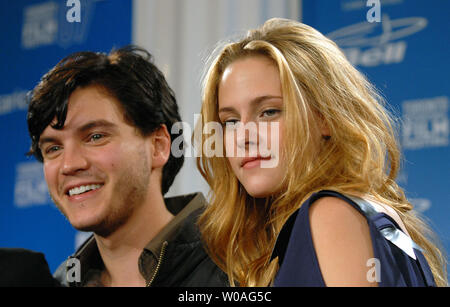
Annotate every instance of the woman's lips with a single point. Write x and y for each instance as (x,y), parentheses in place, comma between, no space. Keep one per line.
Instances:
(249,163)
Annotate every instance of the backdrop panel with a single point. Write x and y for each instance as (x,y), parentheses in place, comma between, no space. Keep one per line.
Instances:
(404,52)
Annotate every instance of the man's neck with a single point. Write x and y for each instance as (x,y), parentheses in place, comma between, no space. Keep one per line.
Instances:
(120,251)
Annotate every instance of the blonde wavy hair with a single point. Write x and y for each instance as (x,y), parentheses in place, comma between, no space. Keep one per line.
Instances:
(362,156)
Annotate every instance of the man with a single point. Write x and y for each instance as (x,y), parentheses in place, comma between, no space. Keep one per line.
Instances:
(101,125)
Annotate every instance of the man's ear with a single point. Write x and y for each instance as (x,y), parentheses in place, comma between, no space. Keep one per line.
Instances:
(160,140)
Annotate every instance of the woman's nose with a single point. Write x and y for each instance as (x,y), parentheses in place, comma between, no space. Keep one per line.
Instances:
(247,138)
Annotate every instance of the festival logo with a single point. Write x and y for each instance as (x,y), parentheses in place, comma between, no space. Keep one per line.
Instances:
(63,23)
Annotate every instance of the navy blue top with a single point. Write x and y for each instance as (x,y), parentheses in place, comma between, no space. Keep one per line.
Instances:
(397,267)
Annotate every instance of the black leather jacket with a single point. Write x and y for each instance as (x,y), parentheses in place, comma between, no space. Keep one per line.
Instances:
(181,260)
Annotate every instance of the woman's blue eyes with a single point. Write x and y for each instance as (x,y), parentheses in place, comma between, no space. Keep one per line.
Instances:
(264,114)
(231,122)
(271,112)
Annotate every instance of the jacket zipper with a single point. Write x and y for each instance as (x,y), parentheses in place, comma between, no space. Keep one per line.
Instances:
(158,265)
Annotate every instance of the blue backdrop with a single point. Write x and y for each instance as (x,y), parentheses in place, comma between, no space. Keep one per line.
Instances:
(35,36)
(406,56)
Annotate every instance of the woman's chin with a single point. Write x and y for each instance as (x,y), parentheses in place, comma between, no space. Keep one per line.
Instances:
(260,191)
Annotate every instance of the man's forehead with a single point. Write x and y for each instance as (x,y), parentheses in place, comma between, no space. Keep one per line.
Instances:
(87,108)
(92,103)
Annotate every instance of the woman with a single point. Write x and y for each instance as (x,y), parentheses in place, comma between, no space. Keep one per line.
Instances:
(328,176)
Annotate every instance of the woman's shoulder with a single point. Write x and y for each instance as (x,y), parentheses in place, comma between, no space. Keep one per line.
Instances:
(342,241)
(336,239)
(330,210)
(334,203)
(325,242)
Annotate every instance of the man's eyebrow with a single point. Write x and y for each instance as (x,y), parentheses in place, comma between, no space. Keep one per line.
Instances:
(46,140)
(253,102)
(96,123)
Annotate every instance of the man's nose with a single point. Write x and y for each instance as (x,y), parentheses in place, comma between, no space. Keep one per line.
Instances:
(73,161)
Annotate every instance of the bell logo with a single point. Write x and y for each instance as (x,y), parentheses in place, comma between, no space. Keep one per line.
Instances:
(372,44)
(386,54)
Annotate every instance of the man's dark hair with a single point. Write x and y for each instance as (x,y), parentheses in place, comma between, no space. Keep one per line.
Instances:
(129,75)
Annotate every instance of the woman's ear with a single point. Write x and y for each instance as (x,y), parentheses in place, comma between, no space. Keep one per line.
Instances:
(325,130)
(161,145)
(323,127)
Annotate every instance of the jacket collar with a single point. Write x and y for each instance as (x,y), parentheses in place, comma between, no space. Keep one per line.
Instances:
(179,231)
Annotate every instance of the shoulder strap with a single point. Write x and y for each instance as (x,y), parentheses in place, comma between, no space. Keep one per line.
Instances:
(391,233)
(281,244)
(397,237)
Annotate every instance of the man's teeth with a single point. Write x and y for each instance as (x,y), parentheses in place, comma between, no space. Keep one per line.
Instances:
(83,188)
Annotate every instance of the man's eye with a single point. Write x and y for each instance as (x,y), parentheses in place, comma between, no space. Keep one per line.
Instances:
(52,149)
(95,137)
